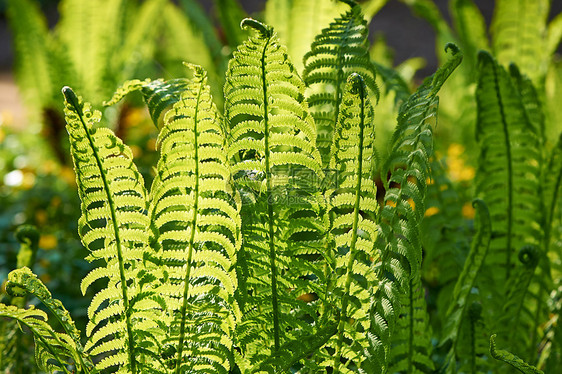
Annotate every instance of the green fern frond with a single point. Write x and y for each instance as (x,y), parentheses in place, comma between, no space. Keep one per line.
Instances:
(511,359)
(54,352)
(459,306)
(408,167)
(509,169)
(337,52)
(411,343)
(298,21)
(277,167)
(196,223)
(158,95)
(88,43)
(518,30)
(114,228)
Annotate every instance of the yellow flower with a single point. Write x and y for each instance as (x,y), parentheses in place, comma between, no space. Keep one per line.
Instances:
(48,242)
(468,211)
(431,211)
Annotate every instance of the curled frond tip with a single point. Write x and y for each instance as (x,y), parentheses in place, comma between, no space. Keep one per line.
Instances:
(263,29)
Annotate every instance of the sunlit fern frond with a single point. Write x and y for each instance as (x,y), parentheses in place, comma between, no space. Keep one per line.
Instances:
(338,51)
(158,95)
(278,169)
(114,228)
(353,230)
(196,224)
(53,351)
(400,244)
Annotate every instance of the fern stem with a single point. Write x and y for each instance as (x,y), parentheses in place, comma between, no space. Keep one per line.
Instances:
(509,175)
(191,238)
(352,246)
(72,99)
(269,196)
(411,350)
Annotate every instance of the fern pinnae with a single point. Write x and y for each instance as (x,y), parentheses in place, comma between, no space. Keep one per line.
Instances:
(113,227)
(197,227)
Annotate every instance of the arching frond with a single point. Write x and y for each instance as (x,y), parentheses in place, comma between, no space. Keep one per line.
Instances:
(338,51)
(114,228)
(53,351)
(511,359)
(400,245)
(196,224)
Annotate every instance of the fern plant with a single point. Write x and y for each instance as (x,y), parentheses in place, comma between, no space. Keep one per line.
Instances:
(264,244)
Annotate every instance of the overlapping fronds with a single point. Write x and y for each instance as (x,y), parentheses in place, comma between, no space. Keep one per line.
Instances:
(352,210)
(400,245)
(275,163)
(114,228)
(298,21)
(459,306)
(22,282)
(338,51)
(158,95)
(508,173)
(518,30)
(196,224)
(54,352)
